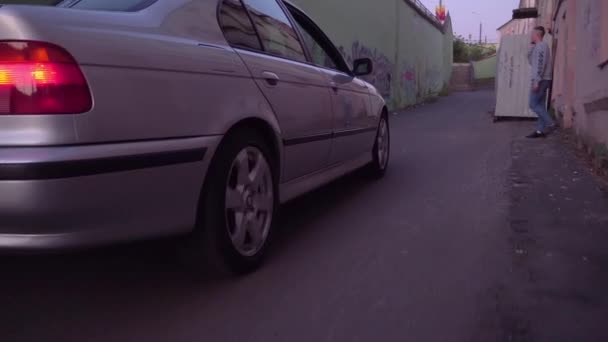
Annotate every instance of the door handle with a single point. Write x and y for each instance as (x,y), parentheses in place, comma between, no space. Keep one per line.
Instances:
(271,78)
(334,86)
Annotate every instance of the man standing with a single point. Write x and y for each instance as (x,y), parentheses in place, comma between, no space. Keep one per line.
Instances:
(539,57)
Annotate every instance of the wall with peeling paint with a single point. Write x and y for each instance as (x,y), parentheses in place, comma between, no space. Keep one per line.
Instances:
(580,91)
(591,93)
(412,56)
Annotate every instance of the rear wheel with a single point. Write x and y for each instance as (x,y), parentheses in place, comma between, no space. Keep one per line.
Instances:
(382,148)
(238,206)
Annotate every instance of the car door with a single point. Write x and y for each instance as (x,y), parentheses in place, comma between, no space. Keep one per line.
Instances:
(354,125)
(295,89)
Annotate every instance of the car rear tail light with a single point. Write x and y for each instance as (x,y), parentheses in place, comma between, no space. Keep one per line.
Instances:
(40,78)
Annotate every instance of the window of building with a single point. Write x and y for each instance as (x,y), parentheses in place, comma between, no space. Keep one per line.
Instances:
(277,35)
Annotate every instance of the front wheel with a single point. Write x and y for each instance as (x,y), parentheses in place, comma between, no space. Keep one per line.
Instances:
(382,148)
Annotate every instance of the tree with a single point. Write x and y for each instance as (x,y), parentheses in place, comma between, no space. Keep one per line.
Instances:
(466,52)
(461,51)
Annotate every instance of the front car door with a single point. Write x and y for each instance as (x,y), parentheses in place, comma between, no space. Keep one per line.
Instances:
(354,122)
(296,90)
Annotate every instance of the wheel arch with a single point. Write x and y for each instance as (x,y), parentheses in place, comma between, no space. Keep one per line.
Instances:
(269,133)
(384,111)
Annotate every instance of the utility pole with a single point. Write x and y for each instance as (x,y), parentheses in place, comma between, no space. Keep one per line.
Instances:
(480,26)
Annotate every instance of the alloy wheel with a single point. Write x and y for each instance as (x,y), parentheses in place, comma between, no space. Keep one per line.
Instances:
(249,201)
(382,144)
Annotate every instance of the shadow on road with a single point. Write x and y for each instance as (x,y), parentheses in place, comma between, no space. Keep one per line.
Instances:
(131,283)
(156,263)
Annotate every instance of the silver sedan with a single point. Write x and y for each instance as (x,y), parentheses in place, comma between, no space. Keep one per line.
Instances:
(133,119)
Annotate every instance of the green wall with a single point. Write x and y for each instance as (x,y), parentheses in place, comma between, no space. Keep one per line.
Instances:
(485,68)
(412,57)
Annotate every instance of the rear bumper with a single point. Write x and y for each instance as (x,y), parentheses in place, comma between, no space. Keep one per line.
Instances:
(75,196)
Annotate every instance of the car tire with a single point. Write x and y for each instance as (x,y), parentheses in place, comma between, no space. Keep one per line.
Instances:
(381,150)
(238,206)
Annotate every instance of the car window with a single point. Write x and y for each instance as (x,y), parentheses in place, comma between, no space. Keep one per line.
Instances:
(322,51)
(319,56)
(237,26)
(276,32)
(108,5)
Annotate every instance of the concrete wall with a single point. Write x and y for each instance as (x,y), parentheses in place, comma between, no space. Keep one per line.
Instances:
(412,57)
(581,83)
(564,75)
(546,9)
(485,68)
(591,80)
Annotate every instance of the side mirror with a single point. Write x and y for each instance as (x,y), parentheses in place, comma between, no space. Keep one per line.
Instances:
(363,67)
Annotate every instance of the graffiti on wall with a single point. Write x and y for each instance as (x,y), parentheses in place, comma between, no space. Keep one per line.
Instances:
(433,78)
(381,78)
(415,81)
(408,82)
(418,82)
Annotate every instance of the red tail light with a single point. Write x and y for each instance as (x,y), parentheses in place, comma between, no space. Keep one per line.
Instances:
(40,78)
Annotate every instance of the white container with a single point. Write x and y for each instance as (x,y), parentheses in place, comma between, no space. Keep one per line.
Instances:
(513,78)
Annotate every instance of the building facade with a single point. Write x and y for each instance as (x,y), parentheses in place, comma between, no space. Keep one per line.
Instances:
(578,30)
(525,26)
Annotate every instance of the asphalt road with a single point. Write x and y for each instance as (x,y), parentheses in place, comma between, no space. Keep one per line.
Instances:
(424,255)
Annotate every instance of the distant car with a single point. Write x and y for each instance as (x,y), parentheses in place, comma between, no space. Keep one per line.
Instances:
(132,119)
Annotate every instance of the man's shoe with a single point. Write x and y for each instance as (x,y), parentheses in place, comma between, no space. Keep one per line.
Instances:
(536,135)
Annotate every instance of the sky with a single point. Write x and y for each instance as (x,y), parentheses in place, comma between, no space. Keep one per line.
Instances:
(492,13)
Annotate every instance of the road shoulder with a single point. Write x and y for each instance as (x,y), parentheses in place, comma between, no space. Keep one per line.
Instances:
(559,240)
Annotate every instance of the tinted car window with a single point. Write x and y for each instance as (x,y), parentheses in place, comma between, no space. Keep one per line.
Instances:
(319,56)
(277,34)
(323,52)
(237,26)
(107,5)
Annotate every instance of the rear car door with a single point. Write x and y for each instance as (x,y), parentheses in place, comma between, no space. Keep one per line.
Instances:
(296,90)
(354,124)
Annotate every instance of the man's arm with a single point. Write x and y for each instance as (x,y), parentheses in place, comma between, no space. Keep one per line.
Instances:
(538,65)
